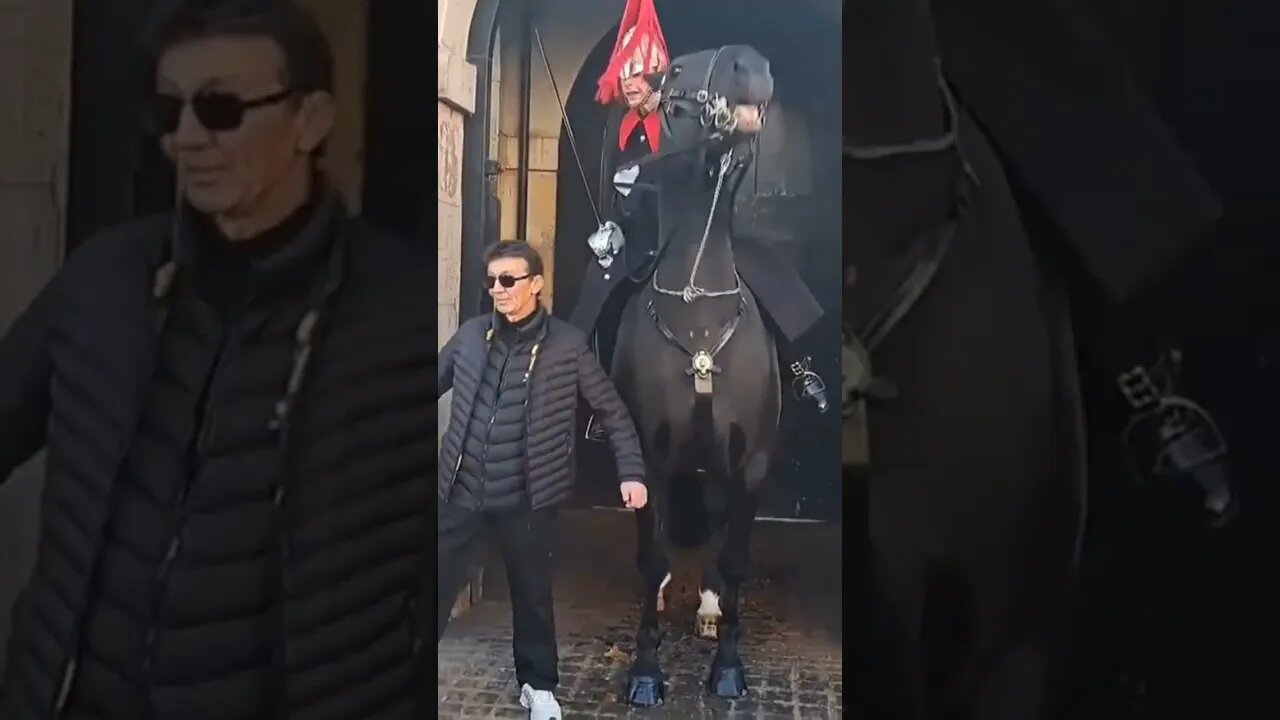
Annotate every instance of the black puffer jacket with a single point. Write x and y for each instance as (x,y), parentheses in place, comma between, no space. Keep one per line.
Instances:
(348,526)
(187,551)
(492,474)
(564,369)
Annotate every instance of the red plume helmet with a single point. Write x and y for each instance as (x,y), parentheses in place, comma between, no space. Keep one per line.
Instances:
(640,48)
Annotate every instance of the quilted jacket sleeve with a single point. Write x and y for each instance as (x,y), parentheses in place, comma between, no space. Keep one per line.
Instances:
(599,392)
(25,374)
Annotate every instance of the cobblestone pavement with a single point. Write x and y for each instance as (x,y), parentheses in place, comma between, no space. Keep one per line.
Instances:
(792,624)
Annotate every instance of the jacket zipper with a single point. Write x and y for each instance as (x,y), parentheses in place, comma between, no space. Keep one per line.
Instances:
(493,413)
(453,479)
(205,440)
(528,423)
(70,669)
(528,375)
(64,688)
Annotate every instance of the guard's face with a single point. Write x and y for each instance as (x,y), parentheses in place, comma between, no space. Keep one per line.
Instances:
(228,122)
(514,290)
(636,91)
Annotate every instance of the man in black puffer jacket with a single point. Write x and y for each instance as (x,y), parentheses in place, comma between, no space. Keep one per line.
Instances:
(508,454)
(238,412)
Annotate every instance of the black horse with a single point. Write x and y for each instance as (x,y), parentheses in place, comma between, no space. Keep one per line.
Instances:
(975,471)
(695,361)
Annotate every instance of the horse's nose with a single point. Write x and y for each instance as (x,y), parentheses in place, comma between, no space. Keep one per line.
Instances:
(760,86)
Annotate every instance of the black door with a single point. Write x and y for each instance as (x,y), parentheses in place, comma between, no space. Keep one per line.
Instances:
(117,172)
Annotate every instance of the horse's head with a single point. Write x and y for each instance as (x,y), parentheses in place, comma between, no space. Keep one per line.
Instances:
(715,99)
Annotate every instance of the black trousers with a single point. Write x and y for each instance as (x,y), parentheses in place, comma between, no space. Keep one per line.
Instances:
(527,542)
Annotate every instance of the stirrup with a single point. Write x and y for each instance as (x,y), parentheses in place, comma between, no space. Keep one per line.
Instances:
(1170,438)
(808,385)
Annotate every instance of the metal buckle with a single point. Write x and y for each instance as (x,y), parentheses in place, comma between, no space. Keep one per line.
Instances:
(1138,388)
(702,363)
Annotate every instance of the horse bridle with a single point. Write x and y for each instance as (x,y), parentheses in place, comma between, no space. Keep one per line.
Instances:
(715,113)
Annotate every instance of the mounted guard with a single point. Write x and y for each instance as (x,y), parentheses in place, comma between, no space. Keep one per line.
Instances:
(630,241)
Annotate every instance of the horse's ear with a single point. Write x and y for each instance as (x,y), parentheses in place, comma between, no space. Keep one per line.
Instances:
(656,80)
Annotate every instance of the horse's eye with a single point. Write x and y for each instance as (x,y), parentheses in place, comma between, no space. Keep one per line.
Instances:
(675,70)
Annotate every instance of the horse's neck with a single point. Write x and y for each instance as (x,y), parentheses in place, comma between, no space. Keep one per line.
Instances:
(891,92)
(686,206)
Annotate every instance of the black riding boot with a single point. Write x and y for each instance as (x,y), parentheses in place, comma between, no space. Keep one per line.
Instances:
(1171,440)
(595,431)
(604,339)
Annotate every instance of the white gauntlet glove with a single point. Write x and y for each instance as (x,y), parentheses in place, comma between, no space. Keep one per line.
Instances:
(606,242)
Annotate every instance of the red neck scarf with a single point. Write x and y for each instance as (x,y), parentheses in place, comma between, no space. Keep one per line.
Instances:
(652,129)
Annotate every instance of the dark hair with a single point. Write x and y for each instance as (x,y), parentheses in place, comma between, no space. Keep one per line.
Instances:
(308,58)
(515,249)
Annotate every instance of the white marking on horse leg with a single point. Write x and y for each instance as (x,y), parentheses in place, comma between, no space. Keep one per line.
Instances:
(708,623)
(662,588)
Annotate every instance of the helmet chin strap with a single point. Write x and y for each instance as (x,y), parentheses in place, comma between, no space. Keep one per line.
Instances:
(646,104)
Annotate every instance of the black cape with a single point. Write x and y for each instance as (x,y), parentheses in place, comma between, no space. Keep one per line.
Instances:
(1079,135)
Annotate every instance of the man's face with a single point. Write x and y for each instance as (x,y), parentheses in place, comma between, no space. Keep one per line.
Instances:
(523,293)
(226,170)
(636,91)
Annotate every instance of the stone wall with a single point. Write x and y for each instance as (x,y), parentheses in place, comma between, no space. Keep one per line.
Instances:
(455,101)
(35,96)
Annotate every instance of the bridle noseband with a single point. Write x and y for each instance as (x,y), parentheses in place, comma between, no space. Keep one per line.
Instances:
(713,109)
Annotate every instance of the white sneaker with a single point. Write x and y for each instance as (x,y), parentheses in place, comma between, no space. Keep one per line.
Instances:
(541,704)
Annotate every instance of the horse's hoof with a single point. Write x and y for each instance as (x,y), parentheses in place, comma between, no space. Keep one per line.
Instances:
(707,627)
(728,682)
(644,691)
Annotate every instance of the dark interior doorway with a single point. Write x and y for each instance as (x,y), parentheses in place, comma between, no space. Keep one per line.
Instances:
(116,170)
(397,121)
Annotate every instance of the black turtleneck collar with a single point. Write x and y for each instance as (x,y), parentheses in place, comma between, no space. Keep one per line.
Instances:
(521,330)
(267,242)
(280,260)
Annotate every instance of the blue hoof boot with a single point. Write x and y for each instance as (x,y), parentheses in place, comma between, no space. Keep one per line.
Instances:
(644,691)
(728,682)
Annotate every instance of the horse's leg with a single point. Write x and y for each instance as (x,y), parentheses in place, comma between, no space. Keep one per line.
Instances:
(715,495)
(645,678)
(707,623)
(728,677)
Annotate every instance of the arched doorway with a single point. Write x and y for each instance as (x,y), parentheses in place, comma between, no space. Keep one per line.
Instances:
(520,180)
(792,197)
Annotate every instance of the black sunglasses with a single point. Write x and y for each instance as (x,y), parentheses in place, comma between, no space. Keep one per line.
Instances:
(506,281)
(216,111)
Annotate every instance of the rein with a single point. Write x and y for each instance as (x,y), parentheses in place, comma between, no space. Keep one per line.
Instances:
(714,114)
(691,290)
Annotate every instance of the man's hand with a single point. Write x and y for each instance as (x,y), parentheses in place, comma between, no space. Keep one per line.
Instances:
(634,495)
